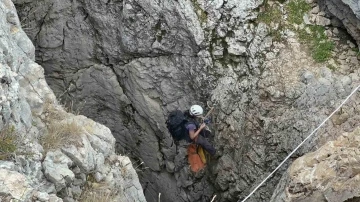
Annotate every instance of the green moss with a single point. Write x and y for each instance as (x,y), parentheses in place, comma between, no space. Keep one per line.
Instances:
(357,51)
(270,14)
(276,34)
(319,44)
(90,178)
(322,51)
(296,10)
(332,67)
(273,14)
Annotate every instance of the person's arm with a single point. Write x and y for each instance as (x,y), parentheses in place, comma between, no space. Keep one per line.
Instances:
(194,134)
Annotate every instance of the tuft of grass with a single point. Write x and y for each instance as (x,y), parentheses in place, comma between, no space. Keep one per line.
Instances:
(60,134)
(296,10)
(322,51)
(320,45)
(7,142)
(53,112)
(271,14)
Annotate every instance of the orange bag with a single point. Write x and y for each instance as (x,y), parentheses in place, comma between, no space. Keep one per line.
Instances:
(196,164)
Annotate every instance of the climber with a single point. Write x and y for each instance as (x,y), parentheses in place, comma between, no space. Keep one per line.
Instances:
(184,126)
(197,133)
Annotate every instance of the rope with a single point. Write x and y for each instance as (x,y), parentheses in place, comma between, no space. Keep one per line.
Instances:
(347,98)
(213,198)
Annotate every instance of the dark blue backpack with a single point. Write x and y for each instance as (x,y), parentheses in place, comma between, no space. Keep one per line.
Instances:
(175,123)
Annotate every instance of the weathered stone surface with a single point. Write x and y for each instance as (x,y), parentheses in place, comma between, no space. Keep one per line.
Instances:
(348,12)
(56,169)
(331,173)
(29,173)
(127,182)
(45,197)
(14,185)
(137,60)
(83,156)
(320,20)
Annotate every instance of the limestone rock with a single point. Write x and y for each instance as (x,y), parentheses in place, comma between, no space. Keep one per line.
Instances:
(328,174)
(83,156)
(137,60)
(14,185)
(320,20)
(27,109)
(126,179)
(348,12)
(56,166)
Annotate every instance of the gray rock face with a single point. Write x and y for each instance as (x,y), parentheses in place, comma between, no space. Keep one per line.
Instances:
(28,108)
(348,11)
(15,185)
(127,63)
(56,166)
(328,174)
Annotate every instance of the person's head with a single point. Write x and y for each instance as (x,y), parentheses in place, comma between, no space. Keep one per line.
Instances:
(196,110)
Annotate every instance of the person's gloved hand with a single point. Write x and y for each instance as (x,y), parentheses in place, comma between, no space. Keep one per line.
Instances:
(202,126)
(207,120)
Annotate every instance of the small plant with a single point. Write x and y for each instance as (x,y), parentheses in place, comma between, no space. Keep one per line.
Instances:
(7,142)
(331,67)
(60,134)
(357,51)
(52,111)
(90,178)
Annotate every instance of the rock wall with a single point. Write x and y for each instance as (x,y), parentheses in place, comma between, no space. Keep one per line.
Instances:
(46,153)
(127,63)
(348,12)
(331,173)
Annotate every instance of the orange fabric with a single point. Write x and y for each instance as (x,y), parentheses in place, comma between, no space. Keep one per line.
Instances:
(194,159)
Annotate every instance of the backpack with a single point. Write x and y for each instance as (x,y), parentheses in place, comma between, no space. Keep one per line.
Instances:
(175,123)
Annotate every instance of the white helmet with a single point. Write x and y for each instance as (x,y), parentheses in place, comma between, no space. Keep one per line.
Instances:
(196,110)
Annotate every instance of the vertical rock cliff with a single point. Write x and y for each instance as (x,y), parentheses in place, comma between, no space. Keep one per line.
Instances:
(127,63)
(46,153)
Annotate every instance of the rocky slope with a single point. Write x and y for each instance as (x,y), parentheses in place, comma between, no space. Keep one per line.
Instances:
(329,174)
(46,153)
(127,63)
